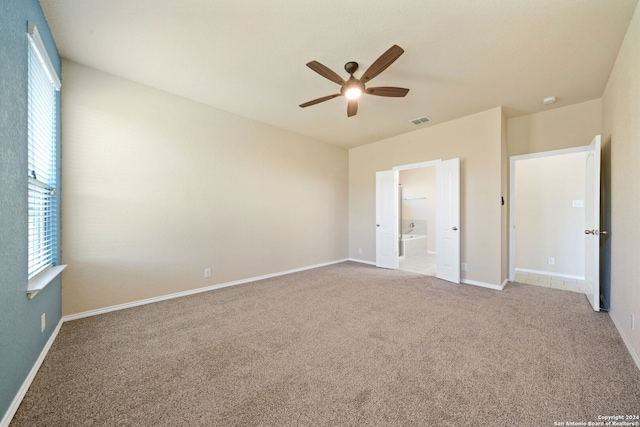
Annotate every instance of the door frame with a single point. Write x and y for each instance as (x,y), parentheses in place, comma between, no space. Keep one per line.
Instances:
(512,196)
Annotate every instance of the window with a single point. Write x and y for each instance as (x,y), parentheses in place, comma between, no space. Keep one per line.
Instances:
(43,86)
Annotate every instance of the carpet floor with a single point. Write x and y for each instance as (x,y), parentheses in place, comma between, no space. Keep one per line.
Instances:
(342,345)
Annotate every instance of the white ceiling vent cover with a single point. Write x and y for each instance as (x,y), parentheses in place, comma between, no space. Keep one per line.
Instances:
(420,120)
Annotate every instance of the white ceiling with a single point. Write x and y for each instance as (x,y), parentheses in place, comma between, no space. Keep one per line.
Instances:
(248,56)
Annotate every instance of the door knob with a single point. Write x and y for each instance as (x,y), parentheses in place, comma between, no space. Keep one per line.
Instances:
(377,225)
(454,228)
(596,232)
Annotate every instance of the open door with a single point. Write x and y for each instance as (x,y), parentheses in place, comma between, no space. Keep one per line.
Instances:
(387,219)
(592,224)
(448,220)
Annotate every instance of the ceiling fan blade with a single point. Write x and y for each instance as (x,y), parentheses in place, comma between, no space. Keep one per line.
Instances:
(325,72)
(397,92)
(352,107)
(381,64)
(319,100)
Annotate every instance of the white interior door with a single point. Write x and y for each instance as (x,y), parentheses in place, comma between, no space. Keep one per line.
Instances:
(387,219)
(592,224)
(448,220)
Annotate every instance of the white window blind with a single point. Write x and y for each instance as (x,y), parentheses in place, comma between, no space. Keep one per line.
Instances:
(41,159)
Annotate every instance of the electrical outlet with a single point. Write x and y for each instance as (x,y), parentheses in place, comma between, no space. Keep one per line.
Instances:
(207,272)
(551,261)
(464,266)
(360,251)
(43,322)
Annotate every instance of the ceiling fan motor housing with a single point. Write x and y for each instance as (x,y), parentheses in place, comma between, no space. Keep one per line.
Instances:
(351,67)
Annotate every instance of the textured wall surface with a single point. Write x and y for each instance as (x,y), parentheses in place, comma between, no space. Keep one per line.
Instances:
(21,341)
(157,188)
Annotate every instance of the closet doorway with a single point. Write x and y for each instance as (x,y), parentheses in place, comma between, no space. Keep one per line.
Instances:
(555,220)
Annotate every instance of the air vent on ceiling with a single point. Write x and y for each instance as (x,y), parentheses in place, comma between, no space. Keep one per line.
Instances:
(420,120)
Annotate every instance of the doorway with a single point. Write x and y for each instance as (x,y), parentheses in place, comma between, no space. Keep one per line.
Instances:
(417,220)
(554,219)
(549,213)
(447,219)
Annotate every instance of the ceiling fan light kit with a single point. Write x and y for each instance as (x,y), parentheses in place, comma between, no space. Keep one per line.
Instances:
(353,87)
(353,93)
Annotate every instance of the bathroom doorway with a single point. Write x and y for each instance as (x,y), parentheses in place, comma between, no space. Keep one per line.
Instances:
(445,228)
(417,220)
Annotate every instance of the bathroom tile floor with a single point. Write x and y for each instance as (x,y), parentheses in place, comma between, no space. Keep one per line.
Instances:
(422,264)
(550,281)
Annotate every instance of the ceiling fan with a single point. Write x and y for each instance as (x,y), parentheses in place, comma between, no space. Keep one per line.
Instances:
(353,88)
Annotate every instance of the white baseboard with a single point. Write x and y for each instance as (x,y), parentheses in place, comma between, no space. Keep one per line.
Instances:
(361,261)
(550,273)
(485,285)
(626,341)
(190,292)
(11,411)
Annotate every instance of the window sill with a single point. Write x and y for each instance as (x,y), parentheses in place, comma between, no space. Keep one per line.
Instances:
(39,282)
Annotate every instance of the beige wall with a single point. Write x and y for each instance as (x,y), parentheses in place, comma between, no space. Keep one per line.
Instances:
(156,188)
(621,172)
(564,127)
(477,141)
(418,185)
(548,225)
